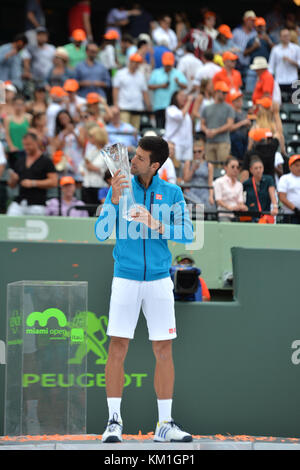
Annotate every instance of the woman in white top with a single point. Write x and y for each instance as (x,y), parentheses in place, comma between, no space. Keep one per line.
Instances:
(93,168)
(179,126)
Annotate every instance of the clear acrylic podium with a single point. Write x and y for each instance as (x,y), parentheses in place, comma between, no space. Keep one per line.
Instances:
(45,390)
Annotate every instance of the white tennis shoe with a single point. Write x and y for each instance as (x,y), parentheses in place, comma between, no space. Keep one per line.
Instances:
(169,431)
(113,431)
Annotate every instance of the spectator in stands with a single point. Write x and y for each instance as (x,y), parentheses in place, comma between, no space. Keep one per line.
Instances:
(41,56)
(203,99)
(265,146)
(130,92)
(16,127)
(60,71)
(260,189)
(189,65)
(39,104)
(259,46)
(199,172)
(117,18)
(284,62)
(289,191)
(229,74)
(62,206)
(209,24)
(207,71)
(265,85)
(202,294)
(76,48)
(201,41)
(120,131)
(240,127)
(58,102)
(11,61)
(216,123)
(35,18)
(102,193)
(229,191)
(164,82)
(241,36)
(107,54)
(223,41)
(34,173)
(182,26)
(91,75)
(164,33)
(93,167)
(74,102)
(39,127)
(126,48)
(98,109)
(7,108)
(67,139)
(141,23)
(179,127)
(267,117)
(80,18)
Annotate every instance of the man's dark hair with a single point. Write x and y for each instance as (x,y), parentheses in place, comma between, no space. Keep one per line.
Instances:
(157,146)
(20,37)
(255,159)
(127,38)
(31,135)
(209,55)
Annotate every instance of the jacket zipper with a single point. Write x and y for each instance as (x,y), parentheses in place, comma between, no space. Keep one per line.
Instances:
(144,242)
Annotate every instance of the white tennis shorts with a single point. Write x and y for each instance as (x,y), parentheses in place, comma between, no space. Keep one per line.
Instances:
(156,299)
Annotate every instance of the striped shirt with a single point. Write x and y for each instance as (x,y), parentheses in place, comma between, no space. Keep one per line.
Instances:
(240,40)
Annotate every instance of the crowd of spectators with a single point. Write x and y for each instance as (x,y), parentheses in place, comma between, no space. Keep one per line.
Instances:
(216,93)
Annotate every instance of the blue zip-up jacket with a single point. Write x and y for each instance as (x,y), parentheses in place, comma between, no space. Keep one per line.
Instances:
(140,253)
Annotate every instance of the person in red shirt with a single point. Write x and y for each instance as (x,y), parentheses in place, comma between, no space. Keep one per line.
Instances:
(200,40)
(265,81)
(229,74)
(80,18)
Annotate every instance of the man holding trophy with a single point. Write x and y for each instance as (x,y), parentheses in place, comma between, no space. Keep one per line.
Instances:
(147,212)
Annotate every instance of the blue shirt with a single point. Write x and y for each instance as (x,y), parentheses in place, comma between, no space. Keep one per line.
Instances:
(158,52)
(262,51)
(124,134)
(11,68)
(95,72)
(142,254)
(162,96)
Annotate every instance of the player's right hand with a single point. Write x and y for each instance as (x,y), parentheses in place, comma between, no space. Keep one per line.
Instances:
(118,183)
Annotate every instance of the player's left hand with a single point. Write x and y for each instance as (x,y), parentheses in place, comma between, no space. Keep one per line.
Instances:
(142,215)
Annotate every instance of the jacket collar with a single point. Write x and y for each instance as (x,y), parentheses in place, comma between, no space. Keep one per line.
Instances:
(153,185)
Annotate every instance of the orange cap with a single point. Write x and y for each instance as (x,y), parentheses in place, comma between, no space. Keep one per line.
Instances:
(235,95)
(136,58)
(229,56)
(58,92)
(259,21)
(265,102)
(57,156)
(71,85)
(293,159)
(221,86)
(66,180)
(92,98)
(111,34)
(79,35)
(168,58)
(260,134)
(225,30)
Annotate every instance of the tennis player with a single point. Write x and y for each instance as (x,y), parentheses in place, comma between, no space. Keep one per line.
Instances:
(142,280)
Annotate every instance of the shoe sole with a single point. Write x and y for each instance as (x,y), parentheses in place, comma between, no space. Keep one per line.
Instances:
(111,439)
(185,439)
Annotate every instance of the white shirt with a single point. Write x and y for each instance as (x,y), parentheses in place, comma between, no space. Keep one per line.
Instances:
(92,179)
(290,184)
(179,129)
(212,32)
(107,57)
(162,37)
(207,71)
(51,113)
(189,65)
(278,161)
(131,87)
(284,72)
(72,107)
(2,155)
(168,171)
(229,193)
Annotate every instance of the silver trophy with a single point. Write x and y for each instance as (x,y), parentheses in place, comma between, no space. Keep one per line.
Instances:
(116,158)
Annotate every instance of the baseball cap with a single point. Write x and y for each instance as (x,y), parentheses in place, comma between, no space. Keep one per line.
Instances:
(111,34)
(62,53)
(9,86)
(260,21)
(57,156)
(221,86)
(92,98)
(79,35)
(249,14)
(225,30)
(293,159)
(265,102)
(66,180)
(234,96)
(168,58)
(136,58)
(41,29)
(259,134)
(71,85)
(58,92)
(259,63)
(229,56)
